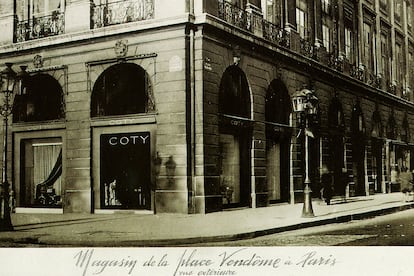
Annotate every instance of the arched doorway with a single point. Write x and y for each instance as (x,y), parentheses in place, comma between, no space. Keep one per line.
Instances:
(124,177)
(278,108)
(336,132)
(40,158)
(358,149)
(234,138)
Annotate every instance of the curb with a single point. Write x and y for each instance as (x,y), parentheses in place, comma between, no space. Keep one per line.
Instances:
(224,238)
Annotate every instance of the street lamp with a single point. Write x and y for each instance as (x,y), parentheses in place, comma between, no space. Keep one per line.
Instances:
(305,102)
(8,82)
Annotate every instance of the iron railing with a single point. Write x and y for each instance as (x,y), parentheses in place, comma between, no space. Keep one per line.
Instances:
(122,12)
(39,27)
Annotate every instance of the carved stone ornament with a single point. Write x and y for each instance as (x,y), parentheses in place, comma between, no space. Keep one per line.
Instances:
(121,48)
(38,61)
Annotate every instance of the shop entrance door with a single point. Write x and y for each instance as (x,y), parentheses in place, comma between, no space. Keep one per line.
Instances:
(125,170)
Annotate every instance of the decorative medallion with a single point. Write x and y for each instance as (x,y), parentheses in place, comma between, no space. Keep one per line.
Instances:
(38,61)
(121,48)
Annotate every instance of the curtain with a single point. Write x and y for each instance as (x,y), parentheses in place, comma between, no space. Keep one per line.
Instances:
(45,157)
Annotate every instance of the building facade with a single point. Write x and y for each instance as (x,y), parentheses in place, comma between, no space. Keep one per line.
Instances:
(185,106)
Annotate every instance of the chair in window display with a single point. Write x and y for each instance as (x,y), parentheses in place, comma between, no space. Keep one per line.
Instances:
(45,192)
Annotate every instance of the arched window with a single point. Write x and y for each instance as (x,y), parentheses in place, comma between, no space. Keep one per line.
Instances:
(41,100)
(234,97)
(234,138)
(277,112)
(120,90)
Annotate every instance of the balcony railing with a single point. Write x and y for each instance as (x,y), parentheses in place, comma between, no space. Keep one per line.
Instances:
(39,27)
(255,24)
(122,12)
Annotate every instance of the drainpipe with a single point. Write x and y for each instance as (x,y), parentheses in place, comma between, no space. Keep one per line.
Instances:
(190,108)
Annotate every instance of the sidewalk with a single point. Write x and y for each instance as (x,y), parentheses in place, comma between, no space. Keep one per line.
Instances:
(178,229)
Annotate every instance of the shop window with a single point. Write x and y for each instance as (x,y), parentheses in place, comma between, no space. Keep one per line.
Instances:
(125,174)
(41,173)
(376,125)
(41,100)
(234,138)
(120,90)
(405,130)
(391,127)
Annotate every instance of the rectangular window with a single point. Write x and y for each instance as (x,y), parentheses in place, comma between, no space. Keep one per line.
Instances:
(301,22)
(368,49)
(385,57)
(28,9)
(41,183)
(301,18)
(398,10)
(384,5)
(409,17)
(399,62)
(326,6)
(326,37)
(349,44)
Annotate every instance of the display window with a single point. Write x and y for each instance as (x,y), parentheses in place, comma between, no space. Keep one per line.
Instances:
(41,174)
(125,173)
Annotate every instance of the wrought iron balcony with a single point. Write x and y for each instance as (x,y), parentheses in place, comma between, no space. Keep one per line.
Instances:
(253,23)
(39,27)
(275,34)
(122,12)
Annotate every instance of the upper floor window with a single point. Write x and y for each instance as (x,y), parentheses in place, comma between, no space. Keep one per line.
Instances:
(368,46)
(399,62)
(349,49)
(384,5)
(326,37)
(326,6)
(112,12)
(273,11)
(409,17)
(38,18)
(385,56)
(301,18)
(398,6)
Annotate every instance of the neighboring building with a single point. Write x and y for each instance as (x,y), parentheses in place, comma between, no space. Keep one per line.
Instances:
(185,106)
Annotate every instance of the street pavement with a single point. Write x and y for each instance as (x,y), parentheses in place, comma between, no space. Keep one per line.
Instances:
(131,230)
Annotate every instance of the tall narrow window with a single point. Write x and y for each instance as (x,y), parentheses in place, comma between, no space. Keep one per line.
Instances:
(326,37)
(385,57)
(348,44)
(368,49)
(301,18)
(399,62)
(398,10)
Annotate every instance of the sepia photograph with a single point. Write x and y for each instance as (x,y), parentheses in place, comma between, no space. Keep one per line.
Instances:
(206,137)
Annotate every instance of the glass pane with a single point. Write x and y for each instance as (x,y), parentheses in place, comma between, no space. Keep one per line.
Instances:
(230,168)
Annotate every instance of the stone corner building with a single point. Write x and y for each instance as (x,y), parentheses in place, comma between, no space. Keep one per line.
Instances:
(184,106)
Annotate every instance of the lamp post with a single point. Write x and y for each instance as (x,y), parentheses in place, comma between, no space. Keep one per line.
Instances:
(8,82)
(305,103)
